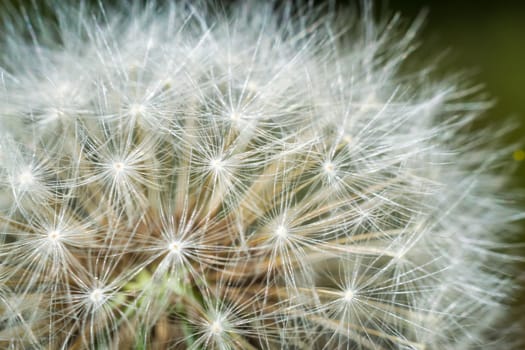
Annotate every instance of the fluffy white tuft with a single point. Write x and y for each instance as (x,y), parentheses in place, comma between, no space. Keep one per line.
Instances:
(244,177)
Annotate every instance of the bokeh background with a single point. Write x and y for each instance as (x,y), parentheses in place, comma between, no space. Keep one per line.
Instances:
(486,38)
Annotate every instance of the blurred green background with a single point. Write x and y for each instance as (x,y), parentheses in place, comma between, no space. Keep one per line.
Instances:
(486,38)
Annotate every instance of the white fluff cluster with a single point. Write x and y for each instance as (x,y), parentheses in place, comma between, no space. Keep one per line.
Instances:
(192,176)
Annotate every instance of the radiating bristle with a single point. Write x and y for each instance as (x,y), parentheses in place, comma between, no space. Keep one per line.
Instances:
(253,176)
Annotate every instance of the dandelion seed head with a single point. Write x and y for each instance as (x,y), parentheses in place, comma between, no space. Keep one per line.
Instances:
(250,176)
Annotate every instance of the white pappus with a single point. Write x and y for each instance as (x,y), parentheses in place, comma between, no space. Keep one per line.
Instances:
(244,176)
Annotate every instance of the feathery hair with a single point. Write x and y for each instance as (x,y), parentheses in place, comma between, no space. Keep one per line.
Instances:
(253,176)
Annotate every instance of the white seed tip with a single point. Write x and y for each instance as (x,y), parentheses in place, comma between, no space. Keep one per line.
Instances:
(329,167)
(281,232)
(136,109)
(118,167)
(175,247)
(96,296)
(53,235)
(348,296)
(216,328)
(235,116)
(217,164)
(26,178)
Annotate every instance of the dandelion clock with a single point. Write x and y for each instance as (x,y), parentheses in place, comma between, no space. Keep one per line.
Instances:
(191,175)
